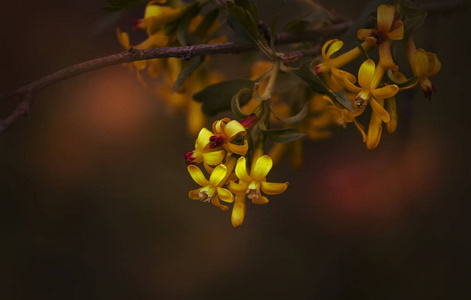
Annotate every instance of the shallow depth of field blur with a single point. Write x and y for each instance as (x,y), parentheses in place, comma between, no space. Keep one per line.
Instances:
(94,189)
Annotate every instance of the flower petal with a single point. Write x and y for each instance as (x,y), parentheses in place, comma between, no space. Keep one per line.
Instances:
(273,188)
(385,92)
(215,202)
(398,32)
(385,17)
(234,129)
(218,175)
(225,195)
(197,175)
(238,211)
(261,168)
(237,149)
(365,74)
(435,64)
(349,85)
(385,57)
(260,200)
(374,131)
(238,188)
(324,48)
(203,138)
(213,158)
(334,48)
(195,194)
(241,170)
(365,35)
(379,110)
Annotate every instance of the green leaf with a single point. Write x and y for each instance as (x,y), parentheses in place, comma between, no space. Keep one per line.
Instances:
(218,97)
(235,103)
(195,63)
(402,84)
(283,135)
(363,52)
(189,12)
(246,14)
(414,17)
(116,5)
(300,116)
(317,85)
(208,21)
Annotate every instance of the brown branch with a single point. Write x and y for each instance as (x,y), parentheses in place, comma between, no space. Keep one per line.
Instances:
(186,52)
(27,92)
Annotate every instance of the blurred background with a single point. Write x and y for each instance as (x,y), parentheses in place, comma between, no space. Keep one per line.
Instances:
(93,185)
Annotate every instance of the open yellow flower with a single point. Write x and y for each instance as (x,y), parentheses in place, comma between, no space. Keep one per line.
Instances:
(211,190)
(424,65)
(343,116)
(250,185)
(369,77)
(329,68)
(203,152)
(225,131)
(386,15)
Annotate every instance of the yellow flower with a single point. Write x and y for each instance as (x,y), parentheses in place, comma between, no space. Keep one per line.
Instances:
(369,77)
(211,190)
(225,131)
(156,16)
(329,67)
(343,116)
(374,129)
(380,37)
(424,65)
(250,185)
(203,152)
(238,211)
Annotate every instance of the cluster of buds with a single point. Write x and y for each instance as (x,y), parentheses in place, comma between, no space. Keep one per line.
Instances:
(228,142)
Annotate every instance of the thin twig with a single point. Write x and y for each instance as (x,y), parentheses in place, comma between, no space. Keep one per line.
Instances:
(186,52)
(27,92)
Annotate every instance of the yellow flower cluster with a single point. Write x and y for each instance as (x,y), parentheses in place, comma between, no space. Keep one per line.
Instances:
(372,88)
(227,140)
(157,17)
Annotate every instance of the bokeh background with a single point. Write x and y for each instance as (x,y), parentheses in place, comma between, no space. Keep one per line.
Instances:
(93,186)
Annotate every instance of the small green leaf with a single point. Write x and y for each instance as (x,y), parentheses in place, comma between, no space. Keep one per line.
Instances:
(208,21)
(283,135)
(218,97)
(402,84)
(235,103)
(363,52)
(317,85)
(195,63)
(414,17)
(246,14)
(300,116)
(189,12)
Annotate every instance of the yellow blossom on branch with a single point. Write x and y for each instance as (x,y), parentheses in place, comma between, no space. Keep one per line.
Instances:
(386,16)
(211,190)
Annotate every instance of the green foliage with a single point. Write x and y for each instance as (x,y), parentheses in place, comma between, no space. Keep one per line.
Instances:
(283,135)
(246,14)
(317,85)
(195,63)
(217,98)
(414,17)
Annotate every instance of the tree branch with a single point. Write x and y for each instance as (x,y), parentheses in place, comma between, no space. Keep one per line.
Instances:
(27,92)
(186,52)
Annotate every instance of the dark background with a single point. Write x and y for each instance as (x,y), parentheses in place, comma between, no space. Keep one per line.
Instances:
(93,187)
